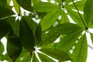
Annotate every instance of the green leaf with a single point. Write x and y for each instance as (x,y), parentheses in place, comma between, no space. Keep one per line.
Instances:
(68,41)
(48,20)
(24,56)
(26,36)
(55,53)
(4,28)
(88,12)
(64,18)
(32,24)
(17,6)
(1,47)
(3,3)
(8,1)
(13,46)
(54,33)
(35,2)
(91,37)
(45,58)
(38,34)
(80,52)
(45,7)
(34,58)
(26,4)
(76,17)
(5,12)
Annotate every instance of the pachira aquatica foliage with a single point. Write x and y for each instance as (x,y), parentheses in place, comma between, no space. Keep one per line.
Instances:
(45,30)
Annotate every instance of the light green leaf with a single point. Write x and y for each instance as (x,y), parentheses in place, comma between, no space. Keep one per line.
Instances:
(48,20)
(5,12)
(76,17)
(34,58)
(26,36)
(55,53)
(17,6)
(91,37)
(26,4)
(35,2)
(1,47)
(45,7)
(88,12)
(45,58)
(24,56)
(68,41)
(80,52)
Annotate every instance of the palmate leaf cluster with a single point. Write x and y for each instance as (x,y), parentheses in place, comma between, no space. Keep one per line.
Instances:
(32,41)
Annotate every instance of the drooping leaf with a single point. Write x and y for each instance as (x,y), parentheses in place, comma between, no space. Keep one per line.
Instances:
(48,20)
(55,53)
(45,7)
(45,58)
(5,12)
(54,32)
(26,36)
(80,52)
(88,12)
(24,56)
(34,58)
(13,46)
(4,28)
(26,4)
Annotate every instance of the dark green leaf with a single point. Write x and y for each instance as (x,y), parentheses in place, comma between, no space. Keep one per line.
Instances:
(13,46)
(4,28)
(80,52)
(48,20)
(55,53)
(88,12)
(45,7)
(5,12)
(26,36)
(24,56)
(38,34)
(3,3)
(45,58)
(26,4)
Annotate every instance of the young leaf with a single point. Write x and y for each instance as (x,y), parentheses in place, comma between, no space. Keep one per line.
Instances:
(45,7)
(80,52)
(88,12)
(26,4)
(13,47)
(55,53)
(45,58)
(5,12)
(26,36)
(48,20)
